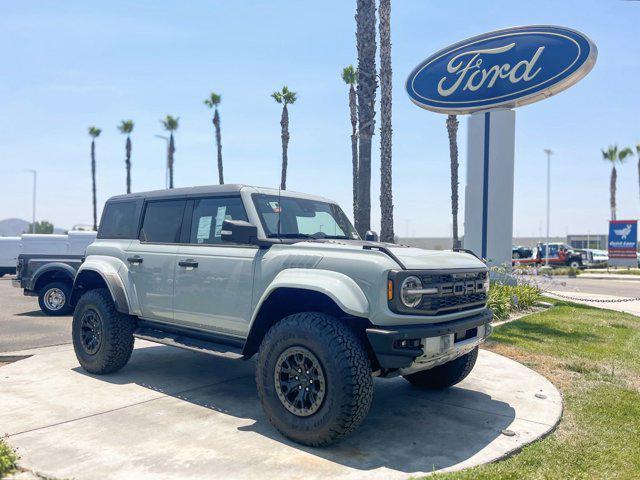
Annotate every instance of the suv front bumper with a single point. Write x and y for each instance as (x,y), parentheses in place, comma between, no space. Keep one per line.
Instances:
(438,342)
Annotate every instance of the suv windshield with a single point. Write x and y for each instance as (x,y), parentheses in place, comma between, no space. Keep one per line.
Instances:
(289,217)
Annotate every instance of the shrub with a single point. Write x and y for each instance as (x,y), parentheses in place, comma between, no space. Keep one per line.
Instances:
(8,459)
(505,299)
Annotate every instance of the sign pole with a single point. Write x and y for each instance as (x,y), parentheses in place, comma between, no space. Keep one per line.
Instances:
(549,153)
(488,218)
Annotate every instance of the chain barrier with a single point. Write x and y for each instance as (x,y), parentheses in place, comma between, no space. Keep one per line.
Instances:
(597,300)
(533,278)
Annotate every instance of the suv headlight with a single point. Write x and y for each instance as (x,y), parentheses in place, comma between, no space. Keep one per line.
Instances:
(408,295)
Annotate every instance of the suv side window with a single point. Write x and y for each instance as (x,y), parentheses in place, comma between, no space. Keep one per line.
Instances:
(163,221)
(119,220)
(208,215)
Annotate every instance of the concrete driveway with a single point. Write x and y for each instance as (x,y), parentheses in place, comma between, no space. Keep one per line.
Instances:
(177,414)
(23,325)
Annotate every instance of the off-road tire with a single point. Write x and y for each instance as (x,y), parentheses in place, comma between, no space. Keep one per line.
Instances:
(445,375)
(65,288)
(116,343)
(347,373)
(575,264)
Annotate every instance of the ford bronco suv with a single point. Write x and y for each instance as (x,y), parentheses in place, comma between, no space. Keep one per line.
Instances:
(239,271)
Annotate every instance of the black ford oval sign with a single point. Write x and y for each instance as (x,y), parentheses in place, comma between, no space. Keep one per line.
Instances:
(502,69)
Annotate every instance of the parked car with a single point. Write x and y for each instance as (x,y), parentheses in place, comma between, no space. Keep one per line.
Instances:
(519,251)
(48,268)
(9,251)
(238,271)
(560,255)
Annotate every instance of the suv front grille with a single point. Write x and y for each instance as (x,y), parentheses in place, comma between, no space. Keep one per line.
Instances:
(457,291)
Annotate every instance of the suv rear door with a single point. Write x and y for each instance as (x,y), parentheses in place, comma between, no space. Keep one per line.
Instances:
(214,280)
(152,257)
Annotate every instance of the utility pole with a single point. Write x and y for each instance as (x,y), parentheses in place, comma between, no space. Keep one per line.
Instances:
(33,212)
(549,153)
(166,168)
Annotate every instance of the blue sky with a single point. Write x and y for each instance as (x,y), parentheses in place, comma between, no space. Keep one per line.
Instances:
(68,65)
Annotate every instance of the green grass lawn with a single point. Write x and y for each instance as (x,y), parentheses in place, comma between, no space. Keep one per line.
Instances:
(593,357)
(7,459)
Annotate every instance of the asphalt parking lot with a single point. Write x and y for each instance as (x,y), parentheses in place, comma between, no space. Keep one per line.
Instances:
(24,326)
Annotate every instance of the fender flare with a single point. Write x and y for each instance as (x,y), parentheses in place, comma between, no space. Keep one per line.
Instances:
(111,279)
(70,272)
(343,290)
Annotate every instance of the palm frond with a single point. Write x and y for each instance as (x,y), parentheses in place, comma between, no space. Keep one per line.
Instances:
(350,75)
(610,154)
(94,132)
(126,126)
(170,123)
(213,100)
(624,153)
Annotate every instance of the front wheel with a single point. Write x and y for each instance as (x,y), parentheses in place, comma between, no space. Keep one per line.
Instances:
(102,336)
(445,375)
(314,378)
(54,298)
(575,264)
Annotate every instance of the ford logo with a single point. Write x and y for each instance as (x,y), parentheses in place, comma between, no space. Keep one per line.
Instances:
(502,69)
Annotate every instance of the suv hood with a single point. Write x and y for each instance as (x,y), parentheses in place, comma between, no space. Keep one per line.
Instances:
(411,257)
(419,259)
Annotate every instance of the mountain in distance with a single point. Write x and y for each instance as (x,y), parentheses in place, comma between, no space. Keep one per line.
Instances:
(11,227)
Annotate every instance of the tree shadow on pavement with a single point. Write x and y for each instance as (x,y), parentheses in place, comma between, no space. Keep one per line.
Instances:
(407,429)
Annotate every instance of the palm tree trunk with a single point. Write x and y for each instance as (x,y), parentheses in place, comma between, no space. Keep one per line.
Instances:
(353,108)
(612,187)
(128,163)
(367,85)
(386,131)
(452,130)
(93,179)
(170,151)
(216,124)
(639,174)
(284,123)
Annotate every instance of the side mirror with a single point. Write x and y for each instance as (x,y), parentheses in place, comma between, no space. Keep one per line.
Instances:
(371,236)
(239,231)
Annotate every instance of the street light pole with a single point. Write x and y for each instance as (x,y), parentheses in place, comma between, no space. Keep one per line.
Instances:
(33,212)
(166,168)
(549,153)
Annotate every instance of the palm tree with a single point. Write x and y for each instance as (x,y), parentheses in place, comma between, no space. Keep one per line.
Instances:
(212,102)
(285,97)
(94,133)
(367,85)
(613,155)
(452,130)
(386,192)
(170,124)
(350,77)
(126,127)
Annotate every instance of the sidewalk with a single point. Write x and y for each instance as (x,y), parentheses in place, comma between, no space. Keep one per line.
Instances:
(598,300)
(609,276)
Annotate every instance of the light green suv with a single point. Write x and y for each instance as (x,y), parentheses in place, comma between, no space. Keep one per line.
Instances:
(236,271)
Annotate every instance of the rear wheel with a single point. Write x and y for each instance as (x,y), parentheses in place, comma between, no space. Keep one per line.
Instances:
(445,375)
(54,297)
(314,378)
(102,336)
(575,264)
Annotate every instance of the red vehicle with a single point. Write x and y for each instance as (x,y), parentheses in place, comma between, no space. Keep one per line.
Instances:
(560,255)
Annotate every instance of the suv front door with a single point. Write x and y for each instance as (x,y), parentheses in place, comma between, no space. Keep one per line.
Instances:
(152,258)
(214,280)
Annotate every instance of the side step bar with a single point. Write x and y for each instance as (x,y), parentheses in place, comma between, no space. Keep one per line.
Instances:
(189,343)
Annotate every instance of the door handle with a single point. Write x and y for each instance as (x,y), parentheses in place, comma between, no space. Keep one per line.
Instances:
(135,260)
(188,263)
